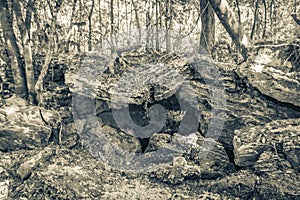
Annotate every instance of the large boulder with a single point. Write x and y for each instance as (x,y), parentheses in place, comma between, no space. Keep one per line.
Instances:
(273,78)
(26,127)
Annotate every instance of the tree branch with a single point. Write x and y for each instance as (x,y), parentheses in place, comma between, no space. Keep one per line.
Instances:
(296,19)
(29,14)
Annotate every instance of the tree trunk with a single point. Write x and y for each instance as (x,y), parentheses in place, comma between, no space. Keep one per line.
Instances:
(69,35)
(207,38)
(137,20)
(156,25)
(26,43)
(265,19)
(148,22)
(28,16)
(79,26)
(230,23)
(296,19)
(112,25)
(167,25)
(254,20)
(90,26)
(14,53)
(100,22)
(51,42)
(239,15)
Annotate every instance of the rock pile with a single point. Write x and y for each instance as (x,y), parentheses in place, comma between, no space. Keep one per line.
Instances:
(229,136)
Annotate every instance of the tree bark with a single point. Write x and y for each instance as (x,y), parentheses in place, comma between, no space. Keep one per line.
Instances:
(100,21)
(148,22)
(230,23)
(207,38)
(69,35)
(28,16)
(79,26)
(167,24)
(112,25)
(296,19)
(52,42)
(265,19)
(26,43)
(137,19)
(90,26)
(254,20)
(156,25)
(14,52)
(239,15)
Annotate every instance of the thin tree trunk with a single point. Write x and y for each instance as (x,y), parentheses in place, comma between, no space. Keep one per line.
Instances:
(39,84)
(26,43)
(254,20)
(28,16)
(35,38)
(14,53)
(100,22)
(79,26)
(152,32)
(117,27)
(296,19)
(265,19)
(126,14)
(57,8)
(69,35)
(130,21)
(240,26)
(230,23)
(90,26)
(156,26)
(170,22)
(160,15)
(271,18)
(239,15)
(118,16)
(275,21)
(147,24)
(137,19)
(207,38)
(167,26)
(112,25)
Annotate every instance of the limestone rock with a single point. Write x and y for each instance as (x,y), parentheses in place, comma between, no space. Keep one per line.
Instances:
(204,158)
(237,185)
(211,156)
(121,140)
(157,141)
(132,84)
(139,85)
(30,164)
(291,148)
(175,174)
(275,83)
(276,178)
(248,146)
(25,127)
(281,136)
